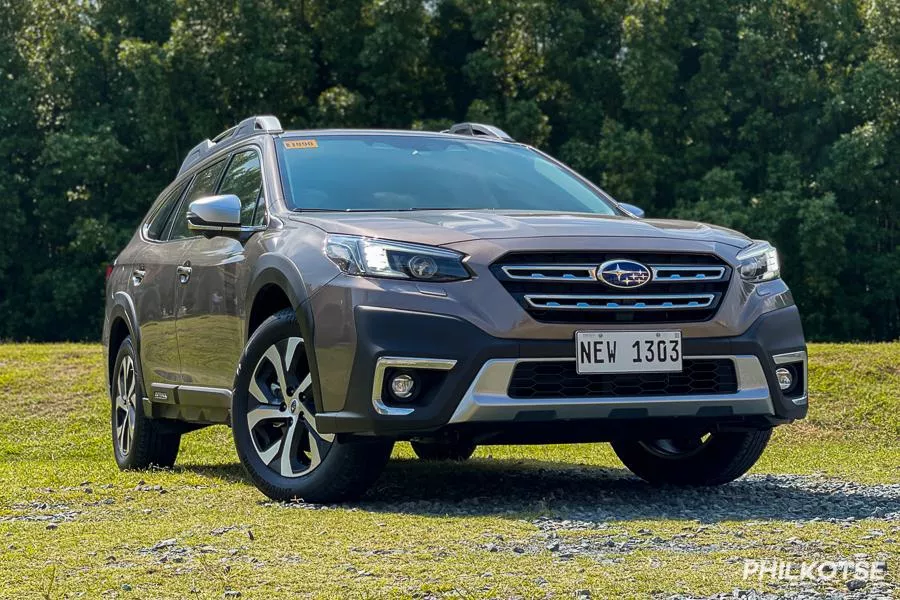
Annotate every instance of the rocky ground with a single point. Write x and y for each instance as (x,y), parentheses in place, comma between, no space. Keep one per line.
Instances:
(585,519)
(512,523)
(772,515)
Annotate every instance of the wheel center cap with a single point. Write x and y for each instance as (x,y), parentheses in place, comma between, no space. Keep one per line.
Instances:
(295,406)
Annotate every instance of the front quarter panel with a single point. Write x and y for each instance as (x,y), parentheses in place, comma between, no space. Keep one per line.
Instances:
(293,258)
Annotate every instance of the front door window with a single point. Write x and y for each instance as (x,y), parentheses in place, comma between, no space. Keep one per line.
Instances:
(244,180)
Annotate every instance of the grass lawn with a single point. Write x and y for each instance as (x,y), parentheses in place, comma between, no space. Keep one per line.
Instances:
(526,521)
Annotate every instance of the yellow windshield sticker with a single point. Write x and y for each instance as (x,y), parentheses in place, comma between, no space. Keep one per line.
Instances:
(300,144)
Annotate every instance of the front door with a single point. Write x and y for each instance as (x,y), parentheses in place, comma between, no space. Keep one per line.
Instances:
(209,300)
(213,285)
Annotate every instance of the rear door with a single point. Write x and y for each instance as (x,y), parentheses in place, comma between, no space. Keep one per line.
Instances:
(211,299)
(152,289)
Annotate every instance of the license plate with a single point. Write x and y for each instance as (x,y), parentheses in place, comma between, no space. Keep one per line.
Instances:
(627,351)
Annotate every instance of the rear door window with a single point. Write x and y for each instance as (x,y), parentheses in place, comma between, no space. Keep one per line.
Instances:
(156,224)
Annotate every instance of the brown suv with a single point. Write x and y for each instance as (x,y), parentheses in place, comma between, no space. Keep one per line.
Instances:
(327,293)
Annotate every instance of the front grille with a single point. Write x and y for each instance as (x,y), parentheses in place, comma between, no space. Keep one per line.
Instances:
(559,379)
(562,287)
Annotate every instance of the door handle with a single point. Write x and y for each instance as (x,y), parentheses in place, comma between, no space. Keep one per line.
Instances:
(184,272)
(137,276)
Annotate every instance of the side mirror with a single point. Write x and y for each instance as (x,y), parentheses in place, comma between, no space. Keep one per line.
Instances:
(634,210)
(216,215)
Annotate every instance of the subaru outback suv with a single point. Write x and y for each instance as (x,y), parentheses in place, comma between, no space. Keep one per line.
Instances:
(328,293)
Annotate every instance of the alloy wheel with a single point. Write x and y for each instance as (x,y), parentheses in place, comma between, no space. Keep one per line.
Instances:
(281,412)
(126,405)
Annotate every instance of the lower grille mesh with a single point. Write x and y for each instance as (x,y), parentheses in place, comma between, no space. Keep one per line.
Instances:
(559,379)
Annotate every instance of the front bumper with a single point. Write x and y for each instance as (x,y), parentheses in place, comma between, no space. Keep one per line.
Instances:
(472,372)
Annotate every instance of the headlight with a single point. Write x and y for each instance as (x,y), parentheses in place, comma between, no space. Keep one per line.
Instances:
(378,258)
(759,262)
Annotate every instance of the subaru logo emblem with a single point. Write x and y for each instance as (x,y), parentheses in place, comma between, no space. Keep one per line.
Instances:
(622,273)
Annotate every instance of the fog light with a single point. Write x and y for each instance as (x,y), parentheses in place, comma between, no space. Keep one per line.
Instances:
(403,386)
(785,378)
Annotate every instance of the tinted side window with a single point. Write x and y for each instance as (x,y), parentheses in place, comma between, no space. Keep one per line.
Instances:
(157,223)
(204,185)
(244,180)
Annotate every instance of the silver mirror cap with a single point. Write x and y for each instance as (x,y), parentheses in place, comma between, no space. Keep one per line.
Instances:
(214,213)
(223,210)
(635,211)
(219,215)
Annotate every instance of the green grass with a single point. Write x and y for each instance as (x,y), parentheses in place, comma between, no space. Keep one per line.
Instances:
(856,387)
(407,539)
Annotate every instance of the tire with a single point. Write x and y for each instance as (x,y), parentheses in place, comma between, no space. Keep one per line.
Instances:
(139,442)
(458,450)
(721,458)
(273,424)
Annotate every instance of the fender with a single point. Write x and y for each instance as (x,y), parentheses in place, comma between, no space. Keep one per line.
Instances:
(123,306)
(276,269)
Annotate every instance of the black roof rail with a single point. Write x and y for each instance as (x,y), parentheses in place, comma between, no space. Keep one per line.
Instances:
(480,129)
(246,128)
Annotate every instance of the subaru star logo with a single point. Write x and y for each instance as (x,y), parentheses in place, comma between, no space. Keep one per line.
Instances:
(621,273)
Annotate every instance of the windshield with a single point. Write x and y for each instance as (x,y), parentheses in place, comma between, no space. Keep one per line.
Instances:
(413,172)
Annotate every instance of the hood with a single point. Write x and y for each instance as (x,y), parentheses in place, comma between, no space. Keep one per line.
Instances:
(441,227)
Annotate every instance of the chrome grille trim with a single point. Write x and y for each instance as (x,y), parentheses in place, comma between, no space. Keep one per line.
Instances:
(620,302)
(588,273)
(675,273)
(536,272)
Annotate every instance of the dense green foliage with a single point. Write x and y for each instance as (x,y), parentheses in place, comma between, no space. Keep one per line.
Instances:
(777,117)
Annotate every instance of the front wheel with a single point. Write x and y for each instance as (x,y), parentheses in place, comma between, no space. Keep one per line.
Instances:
(274,424)
(711,459)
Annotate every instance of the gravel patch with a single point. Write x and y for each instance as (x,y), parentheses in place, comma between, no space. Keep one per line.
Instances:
(584,514)
(585,511)
(41,511)
(584,498)
(859,590)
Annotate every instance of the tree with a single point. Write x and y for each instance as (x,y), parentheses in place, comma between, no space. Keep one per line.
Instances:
(778,118)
